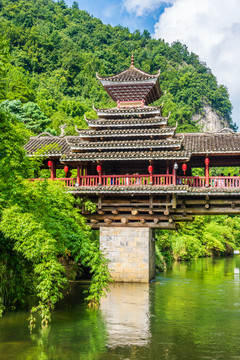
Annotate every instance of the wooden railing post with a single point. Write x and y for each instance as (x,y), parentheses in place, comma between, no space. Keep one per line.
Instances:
(99,170)
(150,170)
(207,171)
(174,170)
(53,170)
(78,175)
(100,178)
(167,169)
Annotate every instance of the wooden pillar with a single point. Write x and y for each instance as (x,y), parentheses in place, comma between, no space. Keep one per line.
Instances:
(99,170)
(150,170)
(167,168)
(207,171)
(78,175)
(100,177)
(53,170)
(174,171)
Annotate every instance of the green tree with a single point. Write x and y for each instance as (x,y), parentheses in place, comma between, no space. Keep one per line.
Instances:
(30,114)
(41,229)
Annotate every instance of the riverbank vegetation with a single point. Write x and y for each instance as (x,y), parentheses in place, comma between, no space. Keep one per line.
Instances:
(41,232)
(205,236)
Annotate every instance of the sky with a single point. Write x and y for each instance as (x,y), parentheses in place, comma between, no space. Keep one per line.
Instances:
(209,28)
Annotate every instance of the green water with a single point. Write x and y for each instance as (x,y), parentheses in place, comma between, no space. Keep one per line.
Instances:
(190,312)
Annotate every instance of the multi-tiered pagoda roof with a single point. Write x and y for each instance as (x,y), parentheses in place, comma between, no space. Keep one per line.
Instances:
(132,86)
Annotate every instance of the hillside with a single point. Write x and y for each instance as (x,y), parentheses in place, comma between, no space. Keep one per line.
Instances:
(49,55)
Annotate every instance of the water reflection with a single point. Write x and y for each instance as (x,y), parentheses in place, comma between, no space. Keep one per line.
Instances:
(191,312)
(126,314)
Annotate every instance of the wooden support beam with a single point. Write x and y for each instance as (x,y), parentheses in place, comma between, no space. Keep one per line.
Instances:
(147,217)
(166,212)
(174,201)
(142,221)
(115,211)
(160,225)
(150,203)
(108,221)
(101,212)
(211,211)
(211,202)
(99,202)
(94,221)
(134,212)
(124,220)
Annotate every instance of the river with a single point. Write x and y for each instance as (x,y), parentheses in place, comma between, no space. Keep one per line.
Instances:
(192,311)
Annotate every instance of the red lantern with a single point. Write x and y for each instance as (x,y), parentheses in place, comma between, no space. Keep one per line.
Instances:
(65,169)
(206,161)
(184,167)
(99,168)
(49,163)
(150,168)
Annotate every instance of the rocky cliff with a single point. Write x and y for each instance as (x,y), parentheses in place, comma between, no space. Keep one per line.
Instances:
(210,121)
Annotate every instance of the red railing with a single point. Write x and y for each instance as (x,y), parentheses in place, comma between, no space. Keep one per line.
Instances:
(140,180)
(125,180)
(192,181)
(224,181)
(162,180)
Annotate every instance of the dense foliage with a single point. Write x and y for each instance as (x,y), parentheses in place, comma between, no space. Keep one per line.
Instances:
(205,236)
(55,52)
(42,232)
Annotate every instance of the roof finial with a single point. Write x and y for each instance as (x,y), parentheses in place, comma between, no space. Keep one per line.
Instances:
(132,60)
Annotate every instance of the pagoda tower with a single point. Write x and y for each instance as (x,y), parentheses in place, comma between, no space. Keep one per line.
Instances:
(125,148)
(130,139)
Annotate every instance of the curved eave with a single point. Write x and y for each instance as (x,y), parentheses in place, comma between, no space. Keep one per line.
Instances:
(139,75)
(128,155)
(151,189)
(130,144)
(216,152)
(126,123)
(146,189)
(91,134)
(127,111)
(147,91)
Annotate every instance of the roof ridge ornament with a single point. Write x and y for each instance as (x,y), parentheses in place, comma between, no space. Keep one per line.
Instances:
(78,131)
(62,128)
(45,133)
(227,130)
(132,60)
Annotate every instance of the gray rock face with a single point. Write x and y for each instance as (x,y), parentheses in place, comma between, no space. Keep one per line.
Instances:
(210,121)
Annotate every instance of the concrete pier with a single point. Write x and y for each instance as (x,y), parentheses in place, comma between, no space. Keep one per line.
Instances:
(130,251)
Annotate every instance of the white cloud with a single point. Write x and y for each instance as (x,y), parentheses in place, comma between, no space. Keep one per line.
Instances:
(141,7)
(211,29)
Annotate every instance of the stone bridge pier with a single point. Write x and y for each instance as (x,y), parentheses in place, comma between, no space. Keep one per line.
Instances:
(130,251)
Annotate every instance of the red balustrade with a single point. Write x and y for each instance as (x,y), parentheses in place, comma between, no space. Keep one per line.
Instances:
(143,180)
(224,181)
(192,181)
(125,180)
(162,180)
